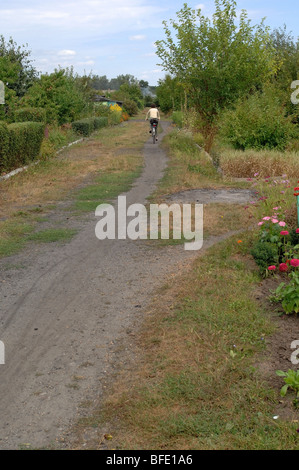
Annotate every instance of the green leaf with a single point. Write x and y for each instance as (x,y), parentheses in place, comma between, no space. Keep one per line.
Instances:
(280,373)
(284,390)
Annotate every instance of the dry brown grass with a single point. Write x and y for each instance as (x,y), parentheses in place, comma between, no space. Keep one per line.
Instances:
(221,218)
(239,164)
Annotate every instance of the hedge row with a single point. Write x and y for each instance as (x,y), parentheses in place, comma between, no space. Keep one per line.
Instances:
(86,126)
(20,143)
(30,114)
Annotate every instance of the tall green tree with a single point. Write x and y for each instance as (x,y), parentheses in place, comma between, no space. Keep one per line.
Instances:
(217,60)
(61,94)
(19,58)
(171,94)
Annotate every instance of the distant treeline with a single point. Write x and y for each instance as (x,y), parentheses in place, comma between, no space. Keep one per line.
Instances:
(103,83)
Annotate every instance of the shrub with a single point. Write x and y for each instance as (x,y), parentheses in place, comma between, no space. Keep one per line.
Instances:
(199,139)
(19,143)
(115,115)
(130,106)
(30,114)
(100,122)
(265,254)
(257,122)
(84,126)
(61,94)
(25,139)
(4,146)
(125,116)
(177,118)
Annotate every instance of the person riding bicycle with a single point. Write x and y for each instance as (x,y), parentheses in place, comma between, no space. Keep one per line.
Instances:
(153,115)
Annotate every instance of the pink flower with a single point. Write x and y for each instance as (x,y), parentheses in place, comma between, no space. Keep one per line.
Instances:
(283,267)
(261,223)
(297,230)
(266,218)
(274,221)
(276,208)
(294,262)
(284,232)
(271,268)
(282,224)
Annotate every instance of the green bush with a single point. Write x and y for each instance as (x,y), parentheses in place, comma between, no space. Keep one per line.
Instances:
(265,254)
(84,126)
(25,139)
(4,146)
(257,122)
(130,106)
(177,118)
(30,114)
(100,122)
(199,139)
(20,143)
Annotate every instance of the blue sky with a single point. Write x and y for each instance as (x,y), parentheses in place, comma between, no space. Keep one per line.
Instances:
(113,37)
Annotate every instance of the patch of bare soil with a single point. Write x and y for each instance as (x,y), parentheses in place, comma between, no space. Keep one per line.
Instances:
(278,349)
(205,196)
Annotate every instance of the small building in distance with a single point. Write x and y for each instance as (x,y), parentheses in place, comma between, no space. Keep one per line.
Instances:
(106,101)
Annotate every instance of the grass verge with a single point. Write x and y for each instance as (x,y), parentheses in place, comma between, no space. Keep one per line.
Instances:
(197,386)
(87,174)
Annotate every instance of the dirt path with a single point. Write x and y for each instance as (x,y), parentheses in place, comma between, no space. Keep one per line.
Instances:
(63,309)
(67,312)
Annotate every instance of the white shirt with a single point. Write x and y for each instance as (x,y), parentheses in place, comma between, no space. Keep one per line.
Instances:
(153,113)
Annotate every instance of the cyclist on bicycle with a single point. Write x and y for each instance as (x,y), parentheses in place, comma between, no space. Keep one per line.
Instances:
(153,115)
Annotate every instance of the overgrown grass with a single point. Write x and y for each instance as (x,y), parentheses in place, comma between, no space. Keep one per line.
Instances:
(13,234)
(189,167)
(197,387)
(268,163)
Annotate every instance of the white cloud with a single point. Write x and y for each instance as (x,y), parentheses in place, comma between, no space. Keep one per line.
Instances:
(66,53)
(87,17)
(137,37)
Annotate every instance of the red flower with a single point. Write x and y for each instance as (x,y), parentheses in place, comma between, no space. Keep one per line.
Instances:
(294,262)
(284,232)
(271,268)
(297,230)
(283,267)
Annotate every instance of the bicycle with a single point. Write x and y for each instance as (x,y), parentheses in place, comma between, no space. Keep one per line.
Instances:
(154,130)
